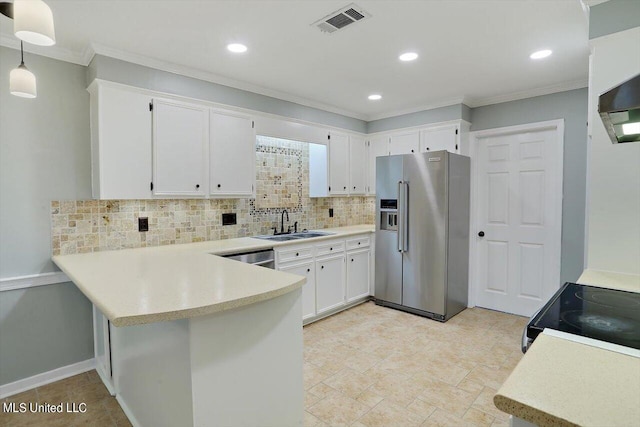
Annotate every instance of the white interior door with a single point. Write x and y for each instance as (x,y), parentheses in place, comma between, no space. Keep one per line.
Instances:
(519,218)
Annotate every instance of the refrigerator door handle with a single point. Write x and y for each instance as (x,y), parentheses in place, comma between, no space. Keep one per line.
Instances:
(405,217)
(400,232)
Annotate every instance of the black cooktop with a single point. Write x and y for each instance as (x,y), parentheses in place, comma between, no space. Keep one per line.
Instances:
(604,314)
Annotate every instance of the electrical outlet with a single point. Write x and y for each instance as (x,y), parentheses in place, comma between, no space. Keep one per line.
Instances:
(330,212)
(143,224)
(229,219)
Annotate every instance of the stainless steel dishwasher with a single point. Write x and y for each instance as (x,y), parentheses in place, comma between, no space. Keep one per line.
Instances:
(261,258)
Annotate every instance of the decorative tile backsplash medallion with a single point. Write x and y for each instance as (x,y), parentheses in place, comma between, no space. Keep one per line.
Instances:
(282,175)
(282,169)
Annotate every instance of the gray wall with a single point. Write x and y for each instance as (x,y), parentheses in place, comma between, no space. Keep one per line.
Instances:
(442,114)
(613,16)
(115,70)
(572,107)
(44,155)
(42,329)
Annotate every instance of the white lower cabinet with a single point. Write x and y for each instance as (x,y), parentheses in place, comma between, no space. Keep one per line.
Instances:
(334,282)
(308,289)
(358,268)
(330,283)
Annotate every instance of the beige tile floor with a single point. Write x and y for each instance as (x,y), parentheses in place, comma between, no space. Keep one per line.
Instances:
(367,366)
(102,409)
(374,366)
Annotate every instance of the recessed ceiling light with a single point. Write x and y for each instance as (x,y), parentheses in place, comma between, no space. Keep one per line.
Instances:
(408,56)
(375,97)
(237,48)
(540,54)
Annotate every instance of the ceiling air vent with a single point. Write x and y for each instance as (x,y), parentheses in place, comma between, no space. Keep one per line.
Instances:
(341,18)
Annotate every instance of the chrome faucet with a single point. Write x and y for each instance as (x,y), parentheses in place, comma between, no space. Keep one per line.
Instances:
(284,212)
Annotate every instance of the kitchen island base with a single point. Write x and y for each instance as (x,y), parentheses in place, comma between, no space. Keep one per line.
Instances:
(239,367)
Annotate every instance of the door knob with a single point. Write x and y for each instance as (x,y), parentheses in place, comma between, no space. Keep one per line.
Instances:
(481,234)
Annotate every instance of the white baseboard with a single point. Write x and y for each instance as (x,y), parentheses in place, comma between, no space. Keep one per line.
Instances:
(46,378)
(125,408)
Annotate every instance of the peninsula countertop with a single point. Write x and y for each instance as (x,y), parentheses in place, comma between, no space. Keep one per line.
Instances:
(564,383)
(161,283)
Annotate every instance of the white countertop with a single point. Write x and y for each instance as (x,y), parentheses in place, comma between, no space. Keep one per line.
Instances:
(563,382)
(611,280)
(145,285)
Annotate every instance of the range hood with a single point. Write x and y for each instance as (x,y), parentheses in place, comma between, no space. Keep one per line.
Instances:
(619,109)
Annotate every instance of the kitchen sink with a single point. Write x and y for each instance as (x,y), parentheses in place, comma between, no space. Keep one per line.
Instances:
(308,234)
(294,236)
(282,238)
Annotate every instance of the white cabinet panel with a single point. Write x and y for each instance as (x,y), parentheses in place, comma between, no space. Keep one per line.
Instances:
(357,165)
(358,274)
(338,164)
(378,146)
(318,170)
(180,148)
(330,283)
(120,143)
(308,289)
(443,138)
(404,143)
(102,349)
(233,153)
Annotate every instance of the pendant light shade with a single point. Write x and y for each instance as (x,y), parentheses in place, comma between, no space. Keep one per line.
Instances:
(22,82)
(33,22)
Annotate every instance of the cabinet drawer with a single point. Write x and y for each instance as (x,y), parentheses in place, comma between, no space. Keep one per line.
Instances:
(294,254)
(329,248)
(358,242)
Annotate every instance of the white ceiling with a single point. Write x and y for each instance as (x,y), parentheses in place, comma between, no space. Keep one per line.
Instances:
(476,51)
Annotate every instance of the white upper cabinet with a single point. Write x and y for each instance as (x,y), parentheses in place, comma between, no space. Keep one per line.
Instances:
(180,149)
(120,143)
(338,164)
(378,146)
(233,155)
(441,138)
(357,165)
(404,142)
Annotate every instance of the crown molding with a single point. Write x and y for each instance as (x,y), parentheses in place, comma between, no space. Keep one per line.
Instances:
(530,93)
(423,107)
(53,52)
(215,78)
(592,3)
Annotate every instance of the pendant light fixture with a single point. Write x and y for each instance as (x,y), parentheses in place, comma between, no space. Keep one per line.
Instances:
(22,82)
(32,23)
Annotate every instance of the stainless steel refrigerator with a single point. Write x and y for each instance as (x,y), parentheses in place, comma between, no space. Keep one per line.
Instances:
(422,233)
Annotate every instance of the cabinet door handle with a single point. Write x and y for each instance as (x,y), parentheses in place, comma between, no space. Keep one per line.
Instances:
(359,243)
(297,254)
(330,249)
(351,259)
(308,270)
(354,187)
(413,151)
(345,188)
(322,267)
(219,186)
(427,148)
(197,186)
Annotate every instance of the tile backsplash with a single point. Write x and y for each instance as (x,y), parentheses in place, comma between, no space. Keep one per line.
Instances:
(282,172)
